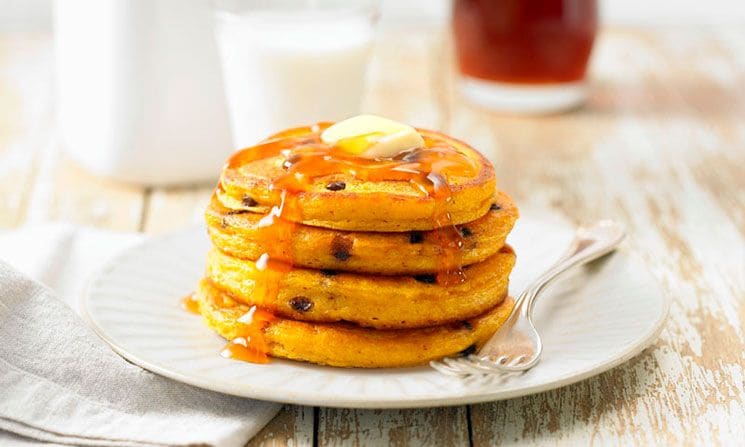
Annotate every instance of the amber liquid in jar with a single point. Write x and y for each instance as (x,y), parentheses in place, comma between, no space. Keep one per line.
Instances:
(524,43)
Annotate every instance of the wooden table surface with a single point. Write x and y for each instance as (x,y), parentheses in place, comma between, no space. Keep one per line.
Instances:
(660,146)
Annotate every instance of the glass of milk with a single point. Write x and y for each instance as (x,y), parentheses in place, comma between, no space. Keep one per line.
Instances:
(291,62)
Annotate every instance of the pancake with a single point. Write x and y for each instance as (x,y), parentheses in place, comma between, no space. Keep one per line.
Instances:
(346,345)
(366,300)
(238,234)
(347,193)
(378,245)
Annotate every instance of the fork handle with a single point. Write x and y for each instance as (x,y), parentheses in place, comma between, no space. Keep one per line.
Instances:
(590,243)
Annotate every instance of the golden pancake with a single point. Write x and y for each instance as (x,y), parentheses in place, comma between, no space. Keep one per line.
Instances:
(324,253)
(237,233)
(340,191)
(367,300)
(346,345)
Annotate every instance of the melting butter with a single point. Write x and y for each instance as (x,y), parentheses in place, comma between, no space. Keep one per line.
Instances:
(372,136)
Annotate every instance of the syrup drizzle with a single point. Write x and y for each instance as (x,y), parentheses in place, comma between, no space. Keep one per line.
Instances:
(305,158)
(250,345)
(190,304)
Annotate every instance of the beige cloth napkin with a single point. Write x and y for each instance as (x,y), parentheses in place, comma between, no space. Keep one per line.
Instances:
(59,383)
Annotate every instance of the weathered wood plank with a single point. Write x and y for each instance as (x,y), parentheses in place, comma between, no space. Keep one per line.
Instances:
(64,191)
(431,427)
(659,146)
(293,426)
(173,208)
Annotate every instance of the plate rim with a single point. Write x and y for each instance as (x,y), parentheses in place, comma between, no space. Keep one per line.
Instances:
(315,398)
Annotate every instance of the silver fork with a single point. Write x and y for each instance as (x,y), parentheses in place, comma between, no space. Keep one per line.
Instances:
(517,346)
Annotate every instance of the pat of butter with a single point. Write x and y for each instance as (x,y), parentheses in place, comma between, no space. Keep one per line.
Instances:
(372,136)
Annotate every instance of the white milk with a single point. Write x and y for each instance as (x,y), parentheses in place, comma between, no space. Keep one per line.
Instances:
(284,69)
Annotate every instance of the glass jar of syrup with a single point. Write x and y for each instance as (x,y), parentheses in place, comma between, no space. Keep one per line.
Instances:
(526,56)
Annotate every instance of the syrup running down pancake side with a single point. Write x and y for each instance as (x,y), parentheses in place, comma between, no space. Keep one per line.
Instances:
(250,346)
(305,159)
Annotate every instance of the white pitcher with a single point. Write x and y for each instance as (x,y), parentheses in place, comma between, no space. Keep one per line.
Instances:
(140,95)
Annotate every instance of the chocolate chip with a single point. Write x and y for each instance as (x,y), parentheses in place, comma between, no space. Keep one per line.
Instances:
(336,186)
(467,325)
(233,212)
(468,351)
(249,201)
(327,272)
(494,207)
(427,279)
(301,304)
(340,247)
(342,255)
(465,231)
(416,237)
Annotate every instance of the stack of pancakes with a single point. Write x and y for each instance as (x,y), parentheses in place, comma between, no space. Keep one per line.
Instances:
(379,264)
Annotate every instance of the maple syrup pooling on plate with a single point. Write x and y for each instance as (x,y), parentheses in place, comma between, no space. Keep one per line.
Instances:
(190,303)
(305,159)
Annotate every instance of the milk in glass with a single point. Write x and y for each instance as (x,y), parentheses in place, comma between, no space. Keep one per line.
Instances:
(289,68)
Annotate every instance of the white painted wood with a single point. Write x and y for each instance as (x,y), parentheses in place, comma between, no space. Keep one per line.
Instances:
(431,427)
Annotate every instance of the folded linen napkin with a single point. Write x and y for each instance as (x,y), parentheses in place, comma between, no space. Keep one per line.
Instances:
(59,383)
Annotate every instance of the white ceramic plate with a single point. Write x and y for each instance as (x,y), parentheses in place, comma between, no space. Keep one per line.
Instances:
(591,321)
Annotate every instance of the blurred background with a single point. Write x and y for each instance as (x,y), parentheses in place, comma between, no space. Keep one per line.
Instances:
(37,14)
